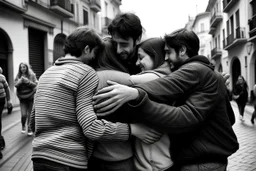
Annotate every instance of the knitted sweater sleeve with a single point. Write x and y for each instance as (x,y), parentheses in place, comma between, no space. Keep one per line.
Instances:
(93,128)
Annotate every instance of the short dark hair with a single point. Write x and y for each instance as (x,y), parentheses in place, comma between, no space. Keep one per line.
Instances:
(183,37)
(107,57)
(126,25)
(79,39)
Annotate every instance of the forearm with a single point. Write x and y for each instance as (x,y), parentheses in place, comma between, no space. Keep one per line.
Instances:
(103,130)
(8,94)
(93,128)
(168,118)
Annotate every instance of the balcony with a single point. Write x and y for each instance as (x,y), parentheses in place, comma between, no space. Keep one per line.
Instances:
(252,27)
(238,39)
(216,19)
(117,2)
(212,30)
(61,7)
(228,4)
(216,53)
(95,5)
(16,6)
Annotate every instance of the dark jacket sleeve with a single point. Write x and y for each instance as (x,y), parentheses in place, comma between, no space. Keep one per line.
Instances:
(154,107)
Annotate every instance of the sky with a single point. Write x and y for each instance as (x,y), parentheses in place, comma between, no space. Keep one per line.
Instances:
(163,16)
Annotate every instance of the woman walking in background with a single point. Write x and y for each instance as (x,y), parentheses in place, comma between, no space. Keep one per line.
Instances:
(26,83)
(240,94)
(4,94)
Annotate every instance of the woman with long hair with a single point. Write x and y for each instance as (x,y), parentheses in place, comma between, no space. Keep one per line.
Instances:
(240,94)
(26,83)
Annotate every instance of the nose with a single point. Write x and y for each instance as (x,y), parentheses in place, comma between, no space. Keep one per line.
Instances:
(119,49)
(166,58)
(137,62)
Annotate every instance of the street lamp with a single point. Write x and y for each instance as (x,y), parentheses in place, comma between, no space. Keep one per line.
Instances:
(249,47)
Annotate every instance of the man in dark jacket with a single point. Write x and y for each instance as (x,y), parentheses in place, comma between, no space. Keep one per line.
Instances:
(200,122)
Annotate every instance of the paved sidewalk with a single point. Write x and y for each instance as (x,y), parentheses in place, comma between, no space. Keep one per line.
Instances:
(245,157)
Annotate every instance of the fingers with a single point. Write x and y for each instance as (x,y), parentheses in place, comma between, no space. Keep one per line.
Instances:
(105,90)
(111,82)
(101,105)
(101,114)
(151,139)
(105,106)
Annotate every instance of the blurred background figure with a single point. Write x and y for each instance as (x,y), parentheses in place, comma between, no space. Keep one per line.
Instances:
(26,83)
(4,95)
(240,95)
(254,103)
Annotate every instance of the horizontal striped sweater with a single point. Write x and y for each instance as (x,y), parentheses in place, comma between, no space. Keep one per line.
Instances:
(63,118)
(4,88)
(26,89)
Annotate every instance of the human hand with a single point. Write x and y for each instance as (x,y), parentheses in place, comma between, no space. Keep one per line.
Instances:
(235,96)
(9,103)
(109,99)
(226,78)
(144,133)
(25,80)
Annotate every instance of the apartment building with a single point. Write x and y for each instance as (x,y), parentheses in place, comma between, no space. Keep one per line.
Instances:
(110,8)
(34,31)
(232,27)
(218,54)
(201,27)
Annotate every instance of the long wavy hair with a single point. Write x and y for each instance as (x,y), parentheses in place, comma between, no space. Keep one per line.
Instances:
(154,47)
(29,72)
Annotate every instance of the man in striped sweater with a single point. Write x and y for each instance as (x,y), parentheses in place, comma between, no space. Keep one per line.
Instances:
(4,95)
(63,118)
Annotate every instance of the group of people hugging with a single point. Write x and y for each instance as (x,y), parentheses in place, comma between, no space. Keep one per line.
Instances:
(119,103)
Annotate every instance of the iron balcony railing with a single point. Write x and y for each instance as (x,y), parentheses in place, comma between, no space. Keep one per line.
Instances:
(65,4)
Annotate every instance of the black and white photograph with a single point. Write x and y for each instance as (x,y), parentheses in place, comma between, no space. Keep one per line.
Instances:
(127,85)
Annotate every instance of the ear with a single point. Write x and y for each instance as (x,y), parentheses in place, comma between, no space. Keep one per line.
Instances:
(183,50)
(137,42)
(86,49)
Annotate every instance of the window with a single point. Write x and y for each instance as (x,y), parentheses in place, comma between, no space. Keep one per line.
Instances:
(223,33)
(237,19)
(202,52)
(228,31)
(106,9)
(77,12)
(85,17)
(218,45)
(202,27)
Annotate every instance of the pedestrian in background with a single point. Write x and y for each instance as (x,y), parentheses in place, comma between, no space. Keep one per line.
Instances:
(254,104)
(240,95)
(26,83)
(4,95)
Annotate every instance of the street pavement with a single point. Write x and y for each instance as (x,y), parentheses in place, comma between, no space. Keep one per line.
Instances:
(17,153)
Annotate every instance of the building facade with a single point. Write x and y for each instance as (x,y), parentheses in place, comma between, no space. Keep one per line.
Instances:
(201,27)
(233,30)
(34,31)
